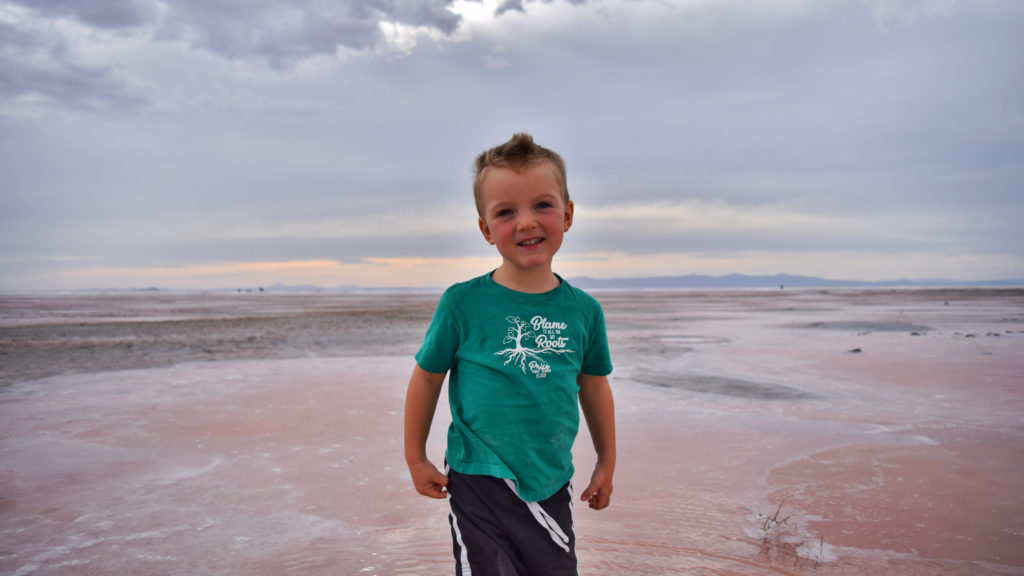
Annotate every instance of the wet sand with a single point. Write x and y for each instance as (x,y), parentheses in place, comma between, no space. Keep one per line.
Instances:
(798,432)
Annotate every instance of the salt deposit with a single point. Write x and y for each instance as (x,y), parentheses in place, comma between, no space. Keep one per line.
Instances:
(261,434)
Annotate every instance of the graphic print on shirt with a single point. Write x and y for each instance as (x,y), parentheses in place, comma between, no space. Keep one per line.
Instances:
(547,339)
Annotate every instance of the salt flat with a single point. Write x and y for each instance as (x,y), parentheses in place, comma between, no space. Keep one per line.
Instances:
(760,432)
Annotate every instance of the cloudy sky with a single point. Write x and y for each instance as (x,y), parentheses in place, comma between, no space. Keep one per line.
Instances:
(227,143)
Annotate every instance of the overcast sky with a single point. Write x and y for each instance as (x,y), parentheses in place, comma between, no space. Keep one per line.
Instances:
(221,144)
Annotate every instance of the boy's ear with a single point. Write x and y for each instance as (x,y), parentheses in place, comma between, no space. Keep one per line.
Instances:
(568,215)
(486,230)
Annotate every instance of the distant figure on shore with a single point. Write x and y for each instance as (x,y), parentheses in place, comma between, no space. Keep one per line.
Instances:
(519,345)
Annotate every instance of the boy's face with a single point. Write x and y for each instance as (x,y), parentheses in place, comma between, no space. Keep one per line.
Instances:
(524,215)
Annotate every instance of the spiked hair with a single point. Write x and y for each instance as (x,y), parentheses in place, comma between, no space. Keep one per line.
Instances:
(519,154)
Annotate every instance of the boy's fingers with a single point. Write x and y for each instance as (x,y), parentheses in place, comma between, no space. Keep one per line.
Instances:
(434,489)
(439,487)
(439,481)
(597,497)
(586,494)
(429,481)
(589,493)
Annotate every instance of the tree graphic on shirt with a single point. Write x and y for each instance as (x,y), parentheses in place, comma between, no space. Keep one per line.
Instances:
(519,354)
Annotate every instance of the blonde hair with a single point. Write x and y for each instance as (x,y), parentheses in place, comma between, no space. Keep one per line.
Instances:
(519,153)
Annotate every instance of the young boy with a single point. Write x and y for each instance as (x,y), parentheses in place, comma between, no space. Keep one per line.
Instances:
(520,345)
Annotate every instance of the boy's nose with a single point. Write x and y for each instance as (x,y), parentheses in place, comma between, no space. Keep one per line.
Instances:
(526,222)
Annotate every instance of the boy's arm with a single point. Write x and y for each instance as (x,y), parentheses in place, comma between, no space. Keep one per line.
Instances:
(420,403)
(599,410)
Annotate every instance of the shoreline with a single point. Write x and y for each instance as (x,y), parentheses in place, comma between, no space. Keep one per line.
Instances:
(80,334)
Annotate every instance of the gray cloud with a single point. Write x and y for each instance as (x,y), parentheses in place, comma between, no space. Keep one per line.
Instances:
(882,139)
(520,5)
(105,14)
(510,6)
(38,59)
(34,63)
(284,33)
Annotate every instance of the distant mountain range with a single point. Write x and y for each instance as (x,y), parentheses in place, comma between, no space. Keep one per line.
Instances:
(776,281)
(696,281)
(693,281)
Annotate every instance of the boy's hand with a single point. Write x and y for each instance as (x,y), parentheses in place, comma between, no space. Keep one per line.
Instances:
(420,403)
(599,409)
(428,480)
(599,493)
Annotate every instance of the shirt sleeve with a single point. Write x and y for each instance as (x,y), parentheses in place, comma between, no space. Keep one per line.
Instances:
(597,361)
(437,353)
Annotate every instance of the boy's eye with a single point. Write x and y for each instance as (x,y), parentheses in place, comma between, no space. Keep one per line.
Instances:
(545,204)
(504,212)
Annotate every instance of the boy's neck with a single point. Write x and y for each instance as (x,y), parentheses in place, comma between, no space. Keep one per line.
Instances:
(529,281)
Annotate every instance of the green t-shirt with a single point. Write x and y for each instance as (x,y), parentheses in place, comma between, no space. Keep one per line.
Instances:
(513,360)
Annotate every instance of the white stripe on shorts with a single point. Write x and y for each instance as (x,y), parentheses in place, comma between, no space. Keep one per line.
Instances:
(544,519)
(463,554)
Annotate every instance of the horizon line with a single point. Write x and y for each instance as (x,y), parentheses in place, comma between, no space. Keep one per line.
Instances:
(701,281)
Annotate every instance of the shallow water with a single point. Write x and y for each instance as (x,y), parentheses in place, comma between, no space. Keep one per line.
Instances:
(751,441)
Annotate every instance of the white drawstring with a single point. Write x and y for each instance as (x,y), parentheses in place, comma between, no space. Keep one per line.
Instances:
(544,519)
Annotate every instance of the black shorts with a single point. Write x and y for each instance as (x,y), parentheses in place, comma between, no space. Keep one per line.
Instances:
(496,533)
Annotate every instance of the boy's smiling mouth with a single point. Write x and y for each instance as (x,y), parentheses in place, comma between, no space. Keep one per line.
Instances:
(531,242)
